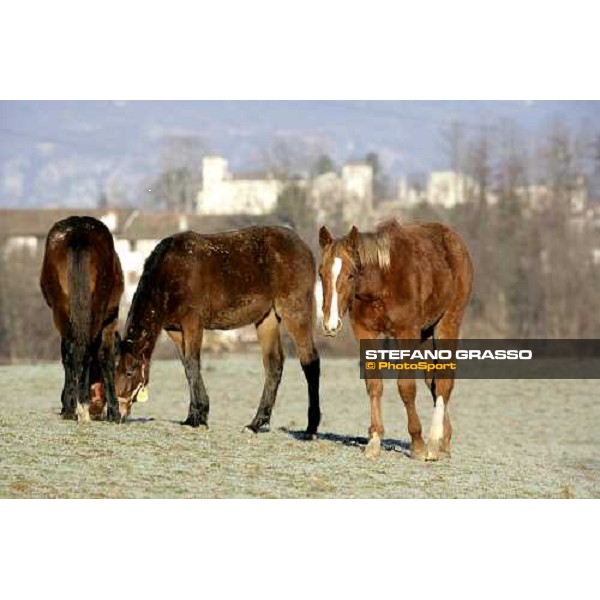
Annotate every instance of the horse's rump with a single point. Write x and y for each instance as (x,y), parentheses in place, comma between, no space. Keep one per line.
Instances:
(81,276)
(80,293)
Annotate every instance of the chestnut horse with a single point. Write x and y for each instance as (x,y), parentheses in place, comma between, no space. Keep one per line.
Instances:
(82,283)
(405,282)
(193,282)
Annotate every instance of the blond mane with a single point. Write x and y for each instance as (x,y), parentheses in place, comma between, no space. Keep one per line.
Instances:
(374,249)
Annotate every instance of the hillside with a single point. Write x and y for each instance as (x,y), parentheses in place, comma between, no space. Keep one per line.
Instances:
(67,153)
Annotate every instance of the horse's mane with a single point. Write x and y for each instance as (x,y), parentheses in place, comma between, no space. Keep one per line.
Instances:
(374,247)
(147,284)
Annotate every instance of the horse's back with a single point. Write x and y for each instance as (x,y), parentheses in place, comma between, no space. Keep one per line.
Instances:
(454,251)
(431,242)
(434,255)
(270,250)
(231,278)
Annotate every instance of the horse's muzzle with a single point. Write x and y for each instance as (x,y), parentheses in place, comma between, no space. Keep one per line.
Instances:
(124,408)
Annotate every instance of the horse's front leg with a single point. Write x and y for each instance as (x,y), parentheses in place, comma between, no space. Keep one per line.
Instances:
(440,433)
(190,352)
(270,342)
(375,391)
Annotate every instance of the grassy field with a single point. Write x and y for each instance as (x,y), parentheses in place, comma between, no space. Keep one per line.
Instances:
(525,439)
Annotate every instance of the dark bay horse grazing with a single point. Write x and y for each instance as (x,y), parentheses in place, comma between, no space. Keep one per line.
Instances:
(404,282)
(193,282)
(82,283)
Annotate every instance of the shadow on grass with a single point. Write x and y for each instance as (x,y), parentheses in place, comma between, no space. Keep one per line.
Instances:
(128,420)
(388,445)
(184,425)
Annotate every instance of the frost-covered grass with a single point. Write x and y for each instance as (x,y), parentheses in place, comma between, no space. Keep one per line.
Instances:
(525,439)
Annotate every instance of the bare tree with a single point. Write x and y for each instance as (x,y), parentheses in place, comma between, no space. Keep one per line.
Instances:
(323,164)
(532,247)
(5,354)
(381,182)
(288,156)
(453,145)
(180,180)
(26,328)
(295,208)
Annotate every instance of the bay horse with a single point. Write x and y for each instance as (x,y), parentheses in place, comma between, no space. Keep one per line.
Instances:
(404,282)
(191,282)
(82,282)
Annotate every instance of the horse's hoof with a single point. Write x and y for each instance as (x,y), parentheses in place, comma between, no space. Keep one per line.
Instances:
(194,422)
(432,452)
(83,413)
(373,448)
(249,431)
(418,453)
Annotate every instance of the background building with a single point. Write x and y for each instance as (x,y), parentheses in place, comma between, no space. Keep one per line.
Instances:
(348,194)
(225,194)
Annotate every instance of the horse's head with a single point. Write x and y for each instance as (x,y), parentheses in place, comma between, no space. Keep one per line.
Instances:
(97,401)
(337,270)
(131,376)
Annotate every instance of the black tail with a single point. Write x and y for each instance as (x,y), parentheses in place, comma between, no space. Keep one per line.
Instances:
(80,302)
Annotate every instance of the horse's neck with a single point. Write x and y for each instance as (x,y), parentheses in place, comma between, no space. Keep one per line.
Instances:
(144,324)
(371,275)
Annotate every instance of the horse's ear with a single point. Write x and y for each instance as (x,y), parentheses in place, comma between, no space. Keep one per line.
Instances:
(325,238)
(352,239)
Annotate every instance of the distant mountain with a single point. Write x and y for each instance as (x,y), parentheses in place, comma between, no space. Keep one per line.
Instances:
(68,153)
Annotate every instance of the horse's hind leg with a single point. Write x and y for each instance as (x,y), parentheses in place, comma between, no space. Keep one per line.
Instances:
(440,433)
(270,342)
(69,393)
(107,366)
(299,324)
(82,370)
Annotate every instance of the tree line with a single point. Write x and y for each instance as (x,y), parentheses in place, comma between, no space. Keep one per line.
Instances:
(536,274)
(530,220)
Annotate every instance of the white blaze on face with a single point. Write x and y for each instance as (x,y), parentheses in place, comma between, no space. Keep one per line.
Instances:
(437,422)
(334,317)
(319,300)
